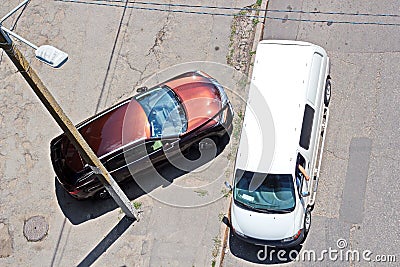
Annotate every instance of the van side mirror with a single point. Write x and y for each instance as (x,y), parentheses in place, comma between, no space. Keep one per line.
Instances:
(142,89)
(228,185)
(226,221)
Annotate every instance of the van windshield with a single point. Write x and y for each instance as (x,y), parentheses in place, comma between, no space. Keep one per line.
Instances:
(274,192)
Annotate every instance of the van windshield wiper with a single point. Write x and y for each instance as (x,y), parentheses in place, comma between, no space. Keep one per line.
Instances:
(284,210)
(254,208)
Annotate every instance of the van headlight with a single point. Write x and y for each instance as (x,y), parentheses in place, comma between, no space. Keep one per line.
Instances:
(288,239)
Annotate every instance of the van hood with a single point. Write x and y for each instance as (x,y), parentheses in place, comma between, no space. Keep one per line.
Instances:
(263,226)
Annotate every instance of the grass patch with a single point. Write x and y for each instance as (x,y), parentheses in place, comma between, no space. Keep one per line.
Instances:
(242,12)
(255,22)
(217,245)
(240,114)
(201,192)
(137,205)
(225,192)
(221,216)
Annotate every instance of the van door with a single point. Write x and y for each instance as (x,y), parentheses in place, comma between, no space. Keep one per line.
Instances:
(303,178)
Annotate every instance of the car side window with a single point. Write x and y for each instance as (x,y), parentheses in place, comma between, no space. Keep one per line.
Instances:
(306,127)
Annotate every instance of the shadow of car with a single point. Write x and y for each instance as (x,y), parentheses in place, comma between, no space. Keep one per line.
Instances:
(78,211)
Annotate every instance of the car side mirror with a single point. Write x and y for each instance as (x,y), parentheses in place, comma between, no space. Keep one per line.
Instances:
(142,89)
(228,185)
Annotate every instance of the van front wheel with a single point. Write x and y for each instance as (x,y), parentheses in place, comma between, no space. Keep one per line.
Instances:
(307,220)
(327,95)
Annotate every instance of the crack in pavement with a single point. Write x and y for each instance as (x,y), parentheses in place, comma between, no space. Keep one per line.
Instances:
(160,38)
(141,72)
(336,156)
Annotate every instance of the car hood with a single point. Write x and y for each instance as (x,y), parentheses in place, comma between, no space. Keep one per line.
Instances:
(264,226)
(200,98)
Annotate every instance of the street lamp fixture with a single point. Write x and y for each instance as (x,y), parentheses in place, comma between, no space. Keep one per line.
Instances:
(46,53)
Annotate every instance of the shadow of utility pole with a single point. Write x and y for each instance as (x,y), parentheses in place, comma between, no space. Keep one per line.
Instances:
(107,241)
(111,57)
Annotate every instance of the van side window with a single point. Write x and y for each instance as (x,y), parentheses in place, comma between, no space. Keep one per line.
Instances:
(299,177)
(306,128)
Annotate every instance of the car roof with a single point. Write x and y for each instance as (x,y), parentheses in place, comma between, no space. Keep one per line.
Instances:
(279,74)
(109,130)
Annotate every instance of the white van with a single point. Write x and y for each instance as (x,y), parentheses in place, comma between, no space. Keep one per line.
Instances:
(292,79)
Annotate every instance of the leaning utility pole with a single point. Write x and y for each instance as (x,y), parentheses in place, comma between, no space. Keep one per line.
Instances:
(66,125)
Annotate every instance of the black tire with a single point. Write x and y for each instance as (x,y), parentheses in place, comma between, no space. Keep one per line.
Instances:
(102,194)
(328,92)
(307,220)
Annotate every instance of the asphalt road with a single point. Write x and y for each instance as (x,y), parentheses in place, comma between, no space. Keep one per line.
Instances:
(358,195)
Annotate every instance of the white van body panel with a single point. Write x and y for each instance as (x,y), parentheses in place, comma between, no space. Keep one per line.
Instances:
(245,160)
(266,226)
(314,80)
(283,85)
(289,75)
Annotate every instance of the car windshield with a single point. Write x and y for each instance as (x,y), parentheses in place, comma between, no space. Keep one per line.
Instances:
(273,192)
(164,112)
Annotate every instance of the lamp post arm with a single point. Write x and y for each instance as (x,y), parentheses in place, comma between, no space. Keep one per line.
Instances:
(13,11)
(19,37)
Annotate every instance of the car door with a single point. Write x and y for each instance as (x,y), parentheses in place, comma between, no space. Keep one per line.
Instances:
(161,149)
(127,160)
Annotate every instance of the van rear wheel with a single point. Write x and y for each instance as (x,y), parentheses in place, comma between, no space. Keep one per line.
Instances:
(327,94)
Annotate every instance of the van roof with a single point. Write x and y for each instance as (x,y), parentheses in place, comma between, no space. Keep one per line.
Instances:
(280,75)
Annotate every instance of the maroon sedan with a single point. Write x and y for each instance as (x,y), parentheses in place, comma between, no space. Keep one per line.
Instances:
(136,133)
